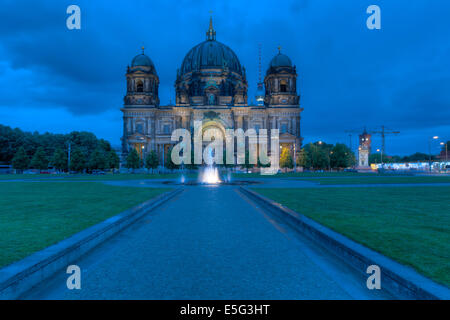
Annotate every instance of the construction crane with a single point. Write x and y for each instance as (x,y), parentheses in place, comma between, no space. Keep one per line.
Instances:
(383,132)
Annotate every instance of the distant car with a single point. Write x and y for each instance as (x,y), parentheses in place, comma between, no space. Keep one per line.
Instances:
(98,172)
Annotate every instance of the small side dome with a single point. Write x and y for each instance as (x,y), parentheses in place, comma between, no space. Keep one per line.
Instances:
(141,60)
(281,60)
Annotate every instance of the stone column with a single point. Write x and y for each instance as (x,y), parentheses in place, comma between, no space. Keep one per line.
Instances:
(240,124)
(153,132)
(294,126)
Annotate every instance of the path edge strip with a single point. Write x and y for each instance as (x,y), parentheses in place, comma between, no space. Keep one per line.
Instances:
(23,275)
(398,279)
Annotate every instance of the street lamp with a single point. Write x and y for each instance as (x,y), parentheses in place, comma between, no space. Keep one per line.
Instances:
(429,149)
(329,160)
(381,157)
(446,155)
(295,160)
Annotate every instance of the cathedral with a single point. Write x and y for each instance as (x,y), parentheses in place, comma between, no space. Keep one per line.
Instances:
(211,87)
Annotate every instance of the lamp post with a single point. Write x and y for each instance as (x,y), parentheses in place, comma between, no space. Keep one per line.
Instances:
(143,147)
(429,149)
(381,157)
(295,159)
(446,155)
(329,160)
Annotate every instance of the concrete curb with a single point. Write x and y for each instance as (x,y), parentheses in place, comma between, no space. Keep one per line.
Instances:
(21,276)
(398,279)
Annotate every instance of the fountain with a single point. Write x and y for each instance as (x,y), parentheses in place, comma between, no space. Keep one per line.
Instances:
(210,174)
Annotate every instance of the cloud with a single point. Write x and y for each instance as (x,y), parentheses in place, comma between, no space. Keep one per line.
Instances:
(349,76)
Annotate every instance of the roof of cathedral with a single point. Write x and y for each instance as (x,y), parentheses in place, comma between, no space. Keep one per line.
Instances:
(281,60)
(141,60)
(210,54)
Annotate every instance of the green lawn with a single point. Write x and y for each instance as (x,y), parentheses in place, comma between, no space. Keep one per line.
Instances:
(410,225)
(34,215)
(303,175)
(78,177)
(380,180)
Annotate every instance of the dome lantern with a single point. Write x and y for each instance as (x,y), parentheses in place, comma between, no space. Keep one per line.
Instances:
(211,33)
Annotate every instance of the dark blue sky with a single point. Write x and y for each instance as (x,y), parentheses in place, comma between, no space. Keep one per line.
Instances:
(57,80)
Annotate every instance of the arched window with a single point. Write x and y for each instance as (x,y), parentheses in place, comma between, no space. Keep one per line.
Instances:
(283,86)
(139,86)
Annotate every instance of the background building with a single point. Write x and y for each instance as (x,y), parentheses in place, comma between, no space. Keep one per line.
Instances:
(365,142)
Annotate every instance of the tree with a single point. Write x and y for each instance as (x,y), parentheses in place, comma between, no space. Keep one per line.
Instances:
(97,160)
(286,159)
(39,160)
(133,160)
(20,161)
(151,160)
(77,160)
(113,160)
(303,159)
(318,155)
(168,160)
(341,156)
(376,158)
(59,160)
(418,156)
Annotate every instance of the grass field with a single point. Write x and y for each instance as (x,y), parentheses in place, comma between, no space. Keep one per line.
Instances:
(379,179)
(410,225)
(89,177)
(34,215)
(303,175)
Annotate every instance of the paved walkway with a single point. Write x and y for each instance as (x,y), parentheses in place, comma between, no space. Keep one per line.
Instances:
(210,242)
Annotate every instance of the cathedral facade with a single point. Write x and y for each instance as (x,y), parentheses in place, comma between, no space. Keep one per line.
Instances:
(211,87)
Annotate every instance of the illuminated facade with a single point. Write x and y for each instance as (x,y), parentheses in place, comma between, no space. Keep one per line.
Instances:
(365,142)
(211,87)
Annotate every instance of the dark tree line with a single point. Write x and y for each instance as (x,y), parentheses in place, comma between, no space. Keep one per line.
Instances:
(320,155)
(25,150)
